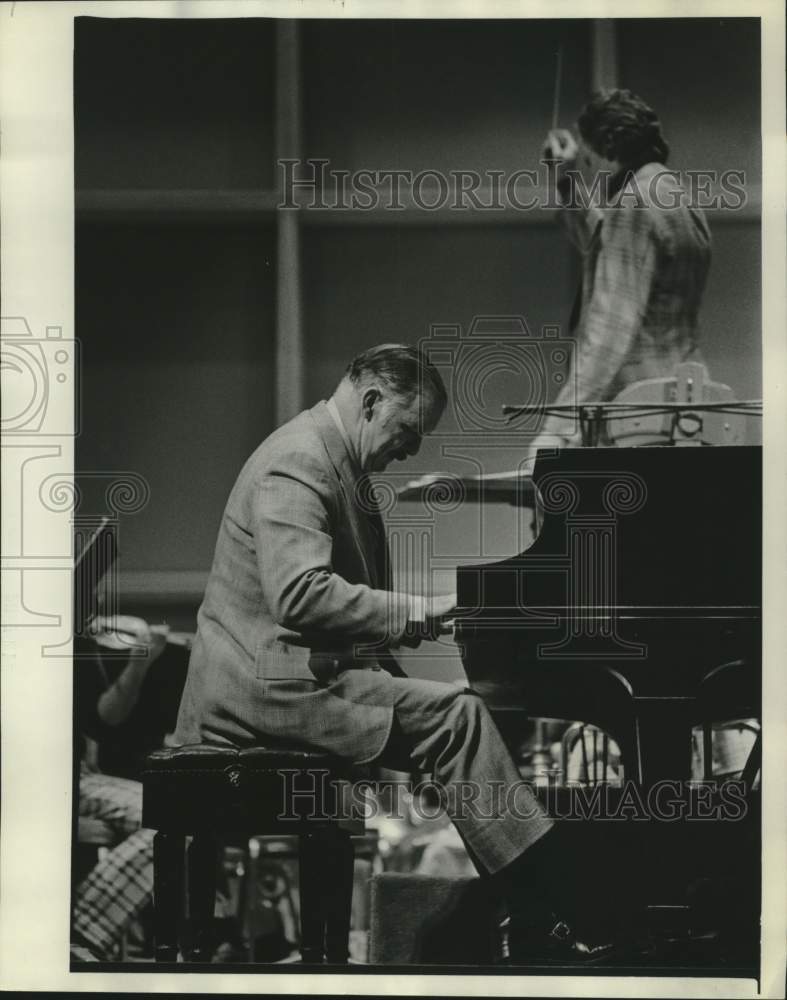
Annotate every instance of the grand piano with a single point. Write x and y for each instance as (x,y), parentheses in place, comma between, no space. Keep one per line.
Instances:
(637,610)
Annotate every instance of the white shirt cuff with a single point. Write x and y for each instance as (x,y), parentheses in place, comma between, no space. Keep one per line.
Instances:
(417,612)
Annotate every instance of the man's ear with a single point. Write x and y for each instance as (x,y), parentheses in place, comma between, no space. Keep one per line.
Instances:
(369,400)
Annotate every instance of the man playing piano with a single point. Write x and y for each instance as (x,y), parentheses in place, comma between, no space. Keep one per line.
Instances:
(645,253)
(299,620)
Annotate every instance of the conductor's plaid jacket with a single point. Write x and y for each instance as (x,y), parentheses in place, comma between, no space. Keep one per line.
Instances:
(644,269)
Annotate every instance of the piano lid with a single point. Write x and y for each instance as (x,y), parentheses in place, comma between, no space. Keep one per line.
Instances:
(648,528)
(515,487)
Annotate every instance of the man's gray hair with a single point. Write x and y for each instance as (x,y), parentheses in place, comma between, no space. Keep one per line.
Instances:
(405,369)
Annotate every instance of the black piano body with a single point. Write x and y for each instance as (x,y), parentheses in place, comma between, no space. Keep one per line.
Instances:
(645,577)
(637,609)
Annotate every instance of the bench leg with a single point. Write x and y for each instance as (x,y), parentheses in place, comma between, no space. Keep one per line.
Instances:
(167,893)
(313,873)
(326,887)
(339,892)
(202,859)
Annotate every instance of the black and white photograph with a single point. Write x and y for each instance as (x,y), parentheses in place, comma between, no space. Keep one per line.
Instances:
(393,487)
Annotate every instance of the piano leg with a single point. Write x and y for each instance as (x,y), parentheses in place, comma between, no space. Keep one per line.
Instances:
(664,737)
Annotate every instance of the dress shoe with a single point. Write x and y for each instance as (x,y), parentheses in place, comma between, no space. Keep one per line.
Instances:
(554,942)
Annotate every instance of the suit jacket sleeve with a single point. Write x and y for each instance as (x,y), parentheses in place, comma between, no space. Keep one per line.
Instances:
(623,278)
(294,540)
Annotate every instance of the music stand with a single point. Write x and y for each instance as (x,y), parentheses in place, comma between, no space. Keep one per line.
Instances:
(91,565)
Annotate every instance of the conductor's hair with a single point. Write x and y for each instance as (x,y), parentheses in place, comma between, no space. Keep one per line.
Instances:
(621,126)
(404,369)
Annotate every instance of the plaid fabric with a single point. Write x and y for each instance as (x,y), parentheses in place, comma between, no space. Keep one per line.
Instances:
(644,271)
(120,885)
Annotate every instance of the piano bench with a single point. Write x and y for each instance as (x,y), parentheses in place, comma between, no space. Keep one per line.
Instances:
(211,792)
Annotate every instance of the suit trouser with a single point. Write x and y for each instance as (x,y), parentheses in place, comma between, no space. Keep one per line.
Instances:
(447,732)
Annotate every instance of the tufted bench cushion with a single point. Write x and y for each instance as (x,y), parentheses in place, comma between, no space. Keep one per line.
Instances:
(223,789)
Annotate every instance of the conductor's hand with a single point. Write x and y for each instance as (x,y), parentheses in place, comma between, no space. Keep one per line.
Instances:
(561,145)
(433,621)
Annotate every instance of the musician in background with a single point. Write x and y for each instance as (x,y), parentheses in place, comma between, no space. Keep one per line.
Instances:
(645,253)
(117,889)
(151,707)
(124,710)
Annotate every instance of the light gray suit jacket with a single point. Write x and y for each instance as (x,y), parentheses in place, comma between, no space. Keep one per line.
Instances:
(296,619)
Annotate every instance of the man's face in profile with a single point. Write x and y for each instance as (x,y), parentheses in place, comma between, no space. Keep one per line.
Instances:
(395,429)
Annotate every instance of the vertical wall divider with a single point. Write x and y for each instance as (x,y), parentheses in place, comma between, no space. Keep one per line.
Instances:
(603,54)
(289,304)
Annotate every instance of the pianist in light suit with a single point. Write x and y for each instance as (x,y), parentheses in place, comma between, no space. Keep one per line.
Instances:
(299,626)
(645,252)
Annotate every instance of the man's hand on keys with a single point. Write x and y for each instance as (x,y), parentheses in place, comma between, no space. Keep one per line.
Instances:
(433,623)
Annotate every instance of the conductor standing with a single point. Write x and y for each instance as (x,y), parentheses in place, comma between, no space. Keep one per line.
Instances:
(645,252)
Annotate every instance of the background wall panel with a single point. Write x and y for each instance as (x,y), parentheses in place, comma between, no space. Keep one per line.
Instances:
(177,381)
(173,103)
(442,95)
